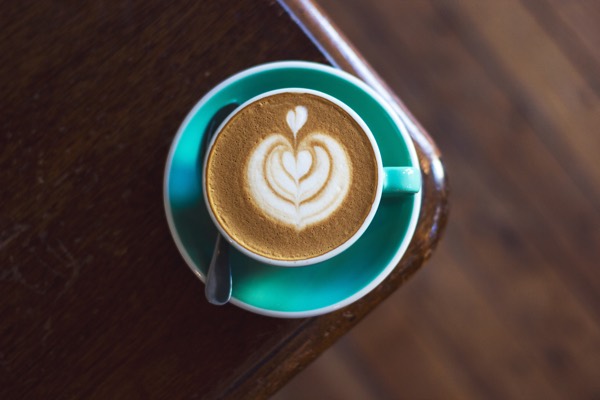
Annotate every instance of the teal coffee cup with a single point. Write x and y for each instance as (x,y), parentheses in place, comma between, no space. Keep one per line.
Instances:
(388,180)
(318,284)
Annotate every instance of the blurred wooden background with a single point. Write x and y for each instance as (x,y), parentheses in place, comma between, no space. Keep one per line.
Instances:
(509,306)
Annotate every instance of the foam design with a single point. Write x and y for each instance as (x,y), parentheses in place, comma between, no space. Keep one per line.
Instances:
(298,183)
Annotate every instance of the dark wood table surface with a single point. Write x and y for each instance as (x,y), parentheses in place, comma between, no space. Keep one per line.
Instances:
(96,302)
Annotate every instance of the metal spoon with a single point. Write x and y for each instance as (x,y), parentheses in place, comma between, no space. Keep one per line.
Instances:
(218,279)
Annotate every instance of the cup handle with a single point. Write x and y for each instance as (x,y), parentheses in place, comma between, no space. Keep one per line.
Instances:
(401,180)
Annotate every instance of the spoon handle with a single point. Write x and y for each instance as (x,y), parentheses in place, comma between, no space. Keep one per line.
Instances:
(218,281)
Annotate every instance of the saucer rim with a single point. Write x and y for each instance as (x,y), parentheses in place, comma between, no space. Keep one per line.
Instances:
(417,197)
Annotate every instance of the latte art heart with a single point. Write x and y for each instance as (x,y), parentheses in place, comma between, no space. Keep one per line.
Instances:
(298,184)
(297,165)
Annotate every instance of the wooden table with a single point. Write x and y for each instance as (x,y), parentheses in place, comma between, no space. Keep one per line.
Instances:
(96,300)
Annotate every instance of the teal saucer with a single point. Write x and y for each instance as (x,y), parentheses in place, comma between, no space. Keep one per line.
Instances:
(300,291)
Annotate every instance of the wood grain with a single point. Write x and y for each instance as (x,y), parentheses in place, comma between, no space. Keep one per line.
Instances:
(96,301)
(508,307)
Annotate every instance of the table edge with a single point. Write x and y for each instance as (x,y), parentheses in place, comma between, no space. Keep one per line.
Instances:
(315,335)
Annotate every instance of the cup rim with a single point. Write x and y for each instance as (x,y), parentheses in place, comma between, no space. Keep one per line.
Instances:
(346,244)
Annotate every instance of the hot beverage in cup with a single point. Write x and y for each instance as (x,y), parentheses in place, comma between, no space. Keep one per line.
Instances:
(291,176)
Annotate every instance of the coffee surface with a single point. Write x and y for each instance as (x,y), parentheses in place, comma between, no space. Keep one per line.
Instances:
(291,176)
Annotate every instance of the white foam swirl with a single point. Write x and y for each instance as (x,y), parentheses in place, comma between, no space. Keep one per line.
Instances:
(299,185)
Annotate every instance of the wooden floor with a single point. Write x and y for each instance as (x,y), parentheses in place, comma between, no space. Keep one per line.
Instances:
(509,305)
